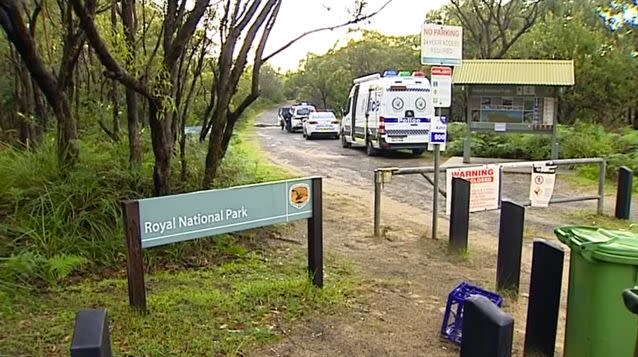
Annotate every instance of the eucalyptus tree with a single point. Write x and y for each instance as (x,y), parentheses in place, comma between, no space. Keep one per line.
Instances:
(19,20)
(245,25)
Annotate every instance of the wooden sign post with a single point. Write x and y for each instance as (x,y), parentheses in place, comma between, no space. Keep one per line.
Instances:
(170,219)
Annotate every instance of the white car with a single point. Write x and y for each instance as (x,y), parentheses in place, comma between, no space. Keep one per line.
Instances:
(323,124)
(300,113)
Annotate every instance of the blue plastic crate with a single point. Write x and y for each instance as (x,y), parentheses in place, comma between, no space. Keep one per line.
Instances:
(453,319)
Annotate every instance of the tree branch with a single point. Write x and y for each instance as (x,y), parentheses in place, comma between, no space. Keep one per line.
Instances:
(34,17)
(242,57)
(114,69)
(254,89)
(530,20)
(357,19)
(465,21)
(185,32)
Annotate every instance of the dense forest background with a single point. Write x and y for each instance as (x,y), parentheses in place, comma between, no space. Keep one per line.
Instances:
(600,39)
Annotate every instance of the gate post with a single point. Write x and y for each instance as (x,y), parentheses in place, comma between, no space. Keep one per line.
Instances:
(459,215)
(544,298)
(487,330)
(623,193)
(377,202)
(510,246)
(91,334)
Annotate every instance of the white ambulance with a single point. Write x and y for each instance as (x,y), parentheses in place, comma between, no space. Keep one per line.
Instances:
(389,112)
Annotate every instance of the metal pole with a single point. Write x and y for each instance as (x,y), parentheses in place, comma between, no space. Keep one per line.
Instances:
(601,186)
(506,165)
(435,192)
(315,235)
(467,143)
(377,203)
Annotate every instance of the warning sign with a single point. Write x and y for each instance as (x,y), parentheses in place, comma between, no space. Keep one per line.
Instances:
(542,185)
(484,186)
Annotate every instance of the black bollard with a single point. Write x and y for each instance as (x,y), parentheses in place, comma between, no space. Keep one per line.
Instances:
(510,246)
(91,335)
(544,298)
(487,330)
(623,194)
(459,215)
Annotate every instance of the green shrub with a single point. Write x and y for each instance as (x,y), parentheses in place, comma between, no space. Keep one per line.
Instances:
(586,140)
(55,217)
(575,141)
(21,270)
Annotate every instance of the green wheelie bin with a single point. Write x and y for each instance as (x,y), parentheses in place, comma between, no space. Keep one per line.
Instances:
(602,263)
(630,297)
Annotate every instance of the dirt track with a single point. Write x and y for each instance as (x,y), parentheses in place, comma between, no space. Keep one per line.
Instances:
(407,274)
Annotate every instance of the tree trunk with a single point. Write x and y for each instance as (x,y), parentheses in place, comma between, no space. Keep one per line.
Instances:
(228,134)
(18,33)
(25,98)
(68,151)
(216,139)
(74,88)
(214,156)
(132,115)
(3,125)
(162,140)
(135,146)
(182,151)
(40,113)
(115,99)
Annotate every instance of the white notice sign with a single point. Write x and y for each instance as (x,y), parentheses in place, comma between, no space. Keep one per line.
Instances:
(441,78)
(438,133)
(542,185)
(484,186)
(441,45)
(548,111)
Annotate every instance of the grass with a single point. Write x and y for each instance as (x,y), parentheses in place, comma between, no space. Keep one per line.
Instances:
(61,250)
(245,155)
(223,310)
(590,219)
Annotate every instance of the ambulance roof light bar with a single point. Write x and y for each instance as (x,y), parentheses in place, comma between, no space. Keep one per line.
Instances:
(369,77)
(390,73)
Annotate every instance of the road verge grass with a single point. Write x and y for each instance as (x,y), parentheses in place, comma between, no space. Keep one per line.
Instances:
(221,310)
(222,295)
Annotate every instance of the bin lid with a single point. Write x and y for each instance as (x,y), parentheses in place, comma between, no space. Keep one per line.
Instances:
(597,243)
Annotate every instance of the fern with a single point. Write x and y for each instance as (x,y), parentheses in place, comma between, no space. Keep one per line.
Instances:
(61,266)
(20,271)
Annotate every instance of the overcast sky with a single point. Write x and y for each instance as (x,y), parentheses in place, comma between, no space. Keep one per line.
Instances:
(400,17)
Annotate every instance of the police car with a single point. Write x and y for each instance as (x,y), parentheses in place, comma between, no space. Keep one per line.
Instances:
(323,124)
(300,113)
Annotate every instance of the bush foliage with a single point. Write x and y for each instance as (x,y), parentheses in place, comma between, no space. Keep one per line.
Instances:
(580,140)
(53,223)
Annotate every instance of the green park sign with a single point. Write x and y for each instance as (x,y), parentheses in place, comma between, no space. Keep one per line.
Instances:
(165,220)
(177,218)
